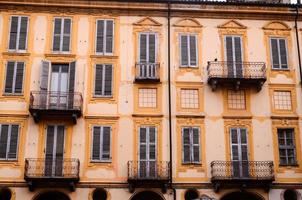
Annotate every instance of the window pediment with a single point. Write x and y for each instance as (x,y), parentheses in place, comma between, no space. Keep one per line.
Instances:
(232,24)
(275,25)
(188,23)
(147,21)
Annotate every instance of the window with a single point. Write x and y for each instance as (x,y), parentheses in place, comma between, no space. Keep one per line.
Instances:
(5,193)
(189,98)
(147,97)
(147,47)
(101,141)
(103,80)
(9,136)
(188,50)
(191,194)
(287,150)
(104,37)
(290,195)
(279,53)
(282,100)
(18,33)
(99,194)
(61,35)
(236,99)
(14,77)
(233,55)
(191,146)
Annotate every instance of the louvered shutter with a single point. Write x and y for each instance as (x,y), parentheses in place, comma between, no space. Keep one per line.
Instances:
(66,34)
(44,82)
(57,34)
(193,50)
(106,143)
(13,145)
(229,55)
(49,142)
(186,145)
(152,143)
(196,145)
(143,48)
(13,33)
(3,141)
(100,36)
(184,50)
(283,53)
(275,53)
(143,141)
(109,36)
(23,33)
(152,48)
(96,138)
(60,142)
(98,81)
(238,56)
(108,80)
(9,79)
(71,82)
(19,78)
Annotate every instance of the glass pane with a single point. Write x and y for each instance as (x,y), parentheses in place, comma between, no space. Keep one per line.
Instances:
(234,136)
(243,136)
(142,135)
(235,153)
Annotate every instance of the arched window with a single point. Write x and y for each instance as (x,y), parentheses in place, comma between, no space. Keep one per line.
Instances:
(290,195)
(5,194)
(191,194)
(99,194)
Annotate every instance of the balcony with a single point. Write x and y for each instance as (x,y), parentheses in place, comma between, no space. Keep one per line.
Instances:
(147,73)
(236,74)
(45,104)
(252,174)
(155,174)
(51,173)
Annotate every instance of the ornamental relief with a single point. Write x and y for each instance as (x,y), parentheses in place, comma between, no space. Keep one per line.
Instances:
(238,122)
(284,123)
(190,121)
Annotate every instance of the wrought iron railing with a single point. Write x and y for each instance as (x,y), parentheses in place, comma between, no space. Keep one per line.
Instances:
(242,70)
(250,170)
(48,100)
(52,168)
(148,170)
(147,71)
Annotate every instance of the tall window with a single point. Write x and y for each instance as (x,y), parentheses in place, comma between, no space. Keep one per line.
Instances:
(104,37)
(147,47)
(18,33)
(189,98)
(14,77)
(188,50)
(234,55)
(236,99)
(282,100)
(190,145)
(103,80)
(147,97)
(101,142)
(287,149)
(279,53)
(9,138)
(61,35)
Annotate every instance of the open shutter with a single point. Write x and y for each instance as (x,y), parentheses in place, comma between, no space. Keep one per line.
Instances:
(19,78)
(108,80)
(193,50)
(196,145)
(96,138)
(66,34)
(44,75)
(109,36)
(9,79)
(13,145)
(57,34)
(186,154)
(275,53)
(106,143)
(100,36)
(3,141)
(152,48)
(23,33)
(184,50)
(98,80)
(283,54)
(71,83)
(142,48)
(13,33)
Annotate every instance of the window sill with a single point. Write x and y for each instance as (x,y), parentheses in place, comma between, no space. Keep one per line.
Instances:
(188,67)
(60,54)
(12,95)
(101,162)
(192,164)
(16,53)
(289,166)
(103,56)
(285,70)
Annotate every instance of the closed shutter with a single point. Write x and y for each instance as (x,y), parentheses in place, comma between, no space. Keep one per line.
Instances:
(108,80)
(9,79)
(44,75)
(96,138)
(283,53)
(13,145)
(109,36)
(152,48)
(60,142)
(184,50)
(66,34)
(71,82)
(186,145)
(57,34)
(143,48)
(13,33)
(229,49)
(100,36)
(152,143)
(275,53)
(238,56)
(23,33)
(142,144)
(19,78)
(98,80)
(3,141)
(196,145)
(50,143)
(193,50)
(106,143)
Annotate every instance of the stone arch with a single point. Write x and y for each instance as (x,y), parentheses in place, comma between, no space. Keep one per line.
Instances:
(242,195)
(147,195)
(191,194)
(52,195)
(276,25)
(6,194)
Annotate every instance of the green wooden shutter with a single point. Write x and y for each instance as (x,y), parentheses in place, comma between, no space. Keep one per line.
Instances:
(184,56)
(283,53)
(275,53)
(142,143)
(100,36)
(96,138)
(57,34)
(193,50)
(238,56)
(66,35)
(186,145)
(196,145)
(13,33)
(143,48)
(108,80)
(9,79)
(19,78)
(23,33)
(98,80)
(109,36)
(71,82)
(152,48)
(3,140)
(106,143)
(13,143)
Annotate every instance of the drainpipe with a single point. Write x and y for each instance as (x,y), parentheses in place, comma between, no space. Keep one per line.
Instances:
(297,39)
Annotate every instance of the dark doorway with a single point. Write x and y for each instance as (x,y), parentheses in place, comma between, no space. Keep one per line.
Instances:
(241,196)
(147,195)
(191,194)
(5,194)
(290,195)
(99,194)
(52,196)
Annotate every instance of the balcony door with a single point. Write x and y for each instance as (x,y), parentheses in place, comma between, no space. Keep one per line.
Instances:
(147,152)
(54,150)
(239,148)
(233,54)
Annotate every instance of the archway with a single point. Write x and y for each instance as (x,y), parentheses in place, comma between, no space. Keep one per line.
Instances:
(52,196)
(5,194)
(147,195)
(241,196)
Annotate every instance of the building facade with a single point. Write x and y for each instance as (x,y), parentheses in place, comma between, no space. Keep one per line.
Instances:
(150,100)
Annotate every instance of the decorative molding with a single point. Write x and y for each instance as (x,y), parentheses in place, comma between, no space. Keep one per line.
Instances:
(232,24)
(188,22)
(276,25)
(147,21)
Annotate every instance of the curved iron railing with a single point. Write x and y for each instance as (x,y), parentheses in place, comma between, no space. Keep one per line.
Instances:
(148,71)
(49,100)
(148,170)
(252,170)
(52,168)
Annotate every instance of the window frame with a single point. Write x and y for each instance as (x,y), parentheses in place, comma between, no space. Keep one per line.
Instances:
(188,35)
(291,100)
(104,39)
(287,147)
(18,34)
(147,46)
(9,141)
(198,98)
(62,35)
(191,162)
(103,81)
(14,78)
(156,97)
(100,160)
(271,53)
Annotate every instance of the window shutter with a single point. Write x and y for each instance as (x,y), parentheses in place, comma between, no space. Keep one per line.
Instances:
(10,70)
(109,36)
(229,49)
(98,81)
(23,33)
(3,141)
(275,53)
(238,50)
(283,53)
(106,143)
(49,142)
(193,50)
(152,47)
(152,143)
(143,48)
(13,145)
(196,145)
(60,142)
(13,33)
(57,34)
(184,50)
(96,138)
(44,75)
(100,36)
(186,145)
(71,82)
(143,141)
(108,80)
(19,78)
(66,35)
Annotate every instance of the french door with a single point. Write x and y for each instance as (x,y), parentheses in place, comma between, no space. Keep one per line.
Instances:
(239,147)
(147,55)
(233,53)
(54,151)
(147,152)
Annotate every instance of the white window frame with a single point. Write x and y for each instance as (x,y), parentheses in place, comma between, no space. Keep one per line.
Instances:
(271,53)
(147,46)
(287,147)
(14,78)
(104,37)
(9,141)
(61,35)
(103,81)
(191,145)
(18,34)
(187,35)
(100,160)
